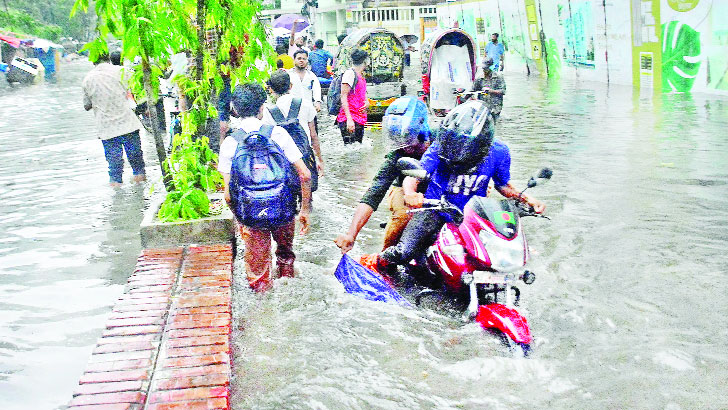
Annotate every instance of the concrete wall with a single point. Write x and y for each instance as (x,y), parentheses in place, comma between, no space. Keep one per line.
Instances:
(655,45)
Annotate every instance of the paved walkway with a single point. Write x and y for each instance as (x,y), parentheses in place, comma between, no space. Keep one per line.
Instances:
(166,345)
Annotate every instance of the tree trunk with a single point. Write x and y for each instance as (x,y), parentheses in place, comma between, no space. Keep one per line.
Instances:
(200,66)
(200,57)
(152,98)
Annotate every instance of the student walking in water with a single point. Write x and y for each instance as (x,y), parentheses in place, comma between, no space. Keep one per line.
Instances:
(354,103)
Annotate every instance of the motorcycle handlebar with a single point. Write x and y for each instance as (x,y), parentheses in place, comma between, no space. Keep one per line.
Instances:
(468,93)
(527,210)
(431,202)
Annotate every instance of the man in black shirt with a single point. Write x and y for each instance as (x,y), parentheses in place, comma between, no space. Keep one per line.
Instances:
(406,124)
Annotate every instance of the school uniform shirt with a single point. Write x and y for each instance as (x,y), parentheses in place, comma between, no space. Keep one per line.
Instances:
(306,113)
(308,88)
(104,90)
(252,124)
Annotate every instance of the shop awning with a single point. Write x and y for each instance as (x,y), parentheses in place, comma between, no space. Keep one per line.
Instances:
(14,42)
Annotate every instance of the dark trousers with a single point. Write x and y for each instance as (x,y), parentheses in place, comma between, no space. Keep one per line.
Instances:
(114,151)
(417,236)
(349,138)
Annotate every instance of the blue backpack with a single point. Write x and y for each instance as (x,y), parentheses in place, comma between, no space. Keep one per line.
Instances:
(264,186)
(333,98)
(299,136)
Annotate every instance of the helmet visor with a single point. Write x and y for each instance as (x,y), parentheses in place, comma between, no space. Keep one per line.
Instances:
(401,130)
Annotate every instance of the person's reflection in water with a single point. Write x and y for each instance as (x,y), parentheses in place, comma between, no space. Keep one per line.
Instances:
(122,245)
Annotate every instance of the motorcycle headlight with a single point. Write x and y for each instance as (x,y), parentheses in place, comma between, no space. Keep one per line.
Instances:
(505,256)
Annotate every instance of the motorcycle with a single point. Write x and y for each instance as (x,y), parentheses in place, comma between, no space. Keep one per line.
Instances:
(480,256)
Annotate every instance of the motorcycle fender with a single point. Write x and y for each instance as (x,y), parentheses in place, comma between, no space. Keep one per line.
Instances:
(450,265)
(505,319)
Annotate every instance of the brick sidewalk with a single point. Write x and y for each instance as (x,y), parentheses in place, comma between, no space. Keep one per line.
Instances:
(166,345)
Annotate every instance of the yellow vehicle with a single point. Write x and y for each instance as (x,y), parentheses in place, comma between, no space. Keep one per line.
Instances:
(385,73)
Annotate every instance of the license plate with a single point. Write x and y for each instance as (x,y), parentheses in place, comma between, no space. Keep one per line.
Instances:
(480,276)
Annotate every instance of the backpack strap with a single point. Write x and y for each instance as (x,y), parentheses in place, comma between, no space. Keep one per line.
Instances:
(276,113)
(266,130)
(295,108)
(356,79)
(239,135)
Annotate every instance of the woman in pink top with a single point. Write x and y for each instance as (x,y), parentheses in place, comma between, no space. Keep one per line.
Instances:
(354,103)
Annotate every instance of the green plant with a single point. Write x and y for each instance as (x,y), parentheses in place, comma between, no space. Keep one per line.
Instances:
(192,165)
(22,22)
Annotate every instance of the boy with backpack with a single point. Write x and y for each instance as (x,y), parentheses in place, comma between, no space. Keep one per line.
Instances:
(347,99)
(297,117)
(264,176)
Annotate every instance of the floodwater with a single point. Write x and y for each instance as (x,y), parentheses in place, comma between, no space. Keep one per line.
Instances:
(68,242)
(628,308)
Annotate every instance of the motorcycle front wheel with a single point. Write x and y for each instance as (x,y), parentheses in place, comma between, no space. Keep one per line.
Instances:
(517,349)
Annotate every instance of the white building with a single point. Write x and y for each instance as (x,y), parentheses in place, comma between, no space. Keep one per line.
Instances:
(334,17)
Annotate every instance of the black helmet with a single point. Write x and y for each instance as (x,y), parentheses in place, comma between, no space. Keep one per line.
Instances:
(466,135)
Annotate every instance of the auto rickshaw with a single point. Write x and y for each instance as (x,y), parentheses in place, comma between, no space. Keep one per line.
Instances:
(385,73)
(448,64)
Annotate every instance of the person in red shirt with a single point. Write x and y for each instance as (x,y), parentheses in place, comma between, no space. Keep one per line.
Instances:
(354,103)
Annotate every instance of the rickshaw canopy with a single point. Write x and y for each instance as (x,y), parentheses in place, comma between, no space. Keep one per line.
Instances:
(449,36)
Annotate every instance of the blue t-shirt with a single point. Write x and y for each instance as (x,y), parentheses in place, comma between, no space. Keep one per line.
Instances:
(495,51)
(460,188)
(318,59)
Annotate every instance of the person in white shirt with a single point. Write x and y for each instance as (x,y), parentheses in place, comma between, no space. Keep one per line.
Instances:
(297,41)
(305,84)
(116,125)
(247,101)
(280,84)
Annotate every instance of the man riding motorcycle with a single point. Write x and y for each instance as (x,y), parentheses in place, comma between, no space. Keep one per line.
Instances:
(405,122)
(460,163)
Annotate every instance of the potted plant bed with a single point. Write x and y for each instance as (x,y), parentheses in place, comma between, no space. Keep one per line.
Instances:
(218,228)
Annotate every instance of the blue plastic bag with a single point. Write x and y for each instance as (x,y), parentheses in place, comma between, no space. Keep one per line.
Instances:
(364,283)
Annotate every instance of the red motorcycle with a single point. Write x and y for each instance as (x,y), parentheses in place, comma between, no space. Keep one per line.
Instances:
(480,256)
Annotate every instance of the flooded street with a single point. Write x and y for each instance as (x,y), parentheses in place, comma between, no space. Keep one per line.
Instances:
(628,308)
(68,242)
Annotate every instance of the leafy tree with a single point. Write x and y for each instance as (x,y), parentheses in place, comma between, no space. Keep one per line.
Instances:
(23,23)
(154,30)
(54,13)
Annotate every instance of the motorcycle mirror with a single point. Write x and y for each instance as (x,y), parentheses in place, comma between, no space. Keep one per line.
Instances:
(545,173)
(532,182)
(408,164)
